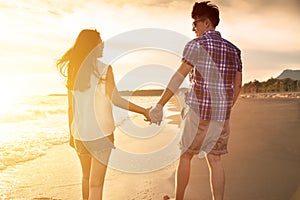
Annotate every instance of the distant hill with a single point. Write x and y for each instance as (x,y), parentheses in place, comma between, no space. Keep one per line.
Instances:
(141,93)
(291,74)
(287,81)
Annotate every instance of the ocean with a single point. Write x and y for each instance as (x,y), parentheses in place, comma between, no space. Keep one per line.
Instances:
(37,123)
(30,127)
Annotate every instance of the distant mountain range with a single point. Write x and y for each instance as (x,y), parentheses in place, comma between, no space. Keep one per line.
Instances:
(291,74)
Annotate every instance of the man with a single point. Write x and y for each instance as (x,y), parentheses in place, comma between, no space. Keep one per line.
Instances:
(215,69)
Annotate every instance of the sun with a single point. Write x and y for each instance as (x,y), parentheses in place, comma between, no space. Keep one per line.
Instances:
(11,93)
(7,101)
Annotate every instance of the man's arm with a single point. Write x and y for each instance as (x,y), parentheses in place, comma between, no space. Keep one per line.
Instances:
(176,80)
(174,83)
(237,86)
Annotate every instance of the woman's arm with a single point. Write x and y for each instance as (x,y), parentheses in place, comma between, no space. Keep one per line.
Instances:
(119,101)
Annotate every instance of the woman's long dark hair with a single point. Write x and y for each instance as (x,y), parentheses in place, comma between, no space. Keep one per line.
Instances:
(73,64)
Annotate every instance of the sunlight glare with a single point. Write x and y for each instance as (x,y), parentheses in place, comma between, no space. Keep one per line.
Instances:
(12,91)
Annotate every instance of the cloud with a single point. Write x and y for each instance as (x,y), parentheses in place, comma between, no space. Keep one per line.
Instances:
(267,27)
(254,24)
(279,5)
(155,3)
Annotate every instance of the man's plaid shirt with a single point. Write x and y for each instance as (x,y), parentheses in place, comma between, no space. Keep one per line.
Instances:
(215,62)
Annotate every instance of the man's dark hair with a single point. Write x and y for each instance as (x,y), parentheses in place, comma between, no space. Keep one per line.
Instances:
(207,10)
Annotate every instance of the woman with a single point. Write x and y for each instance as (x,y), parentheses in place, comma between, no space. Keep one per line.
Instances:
(91,92)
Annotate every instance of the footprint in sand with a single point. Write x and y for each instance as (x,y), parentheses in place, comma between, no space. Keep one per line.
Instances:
(146,193)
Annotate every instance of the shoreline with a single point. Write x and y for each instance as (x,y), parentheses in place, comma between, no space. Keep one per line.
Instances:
(271,95)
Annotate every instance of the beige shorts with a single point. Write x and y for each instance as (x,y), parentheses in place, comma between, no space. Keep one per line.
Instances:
(203,136)
(99,149)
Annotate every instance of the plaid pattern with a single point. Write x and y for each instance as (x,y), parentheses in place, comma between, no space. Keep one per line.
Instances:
(215,62)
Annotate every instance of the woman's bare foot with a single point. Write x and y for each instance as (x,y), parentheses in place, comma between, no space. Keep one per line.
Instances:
(166,197)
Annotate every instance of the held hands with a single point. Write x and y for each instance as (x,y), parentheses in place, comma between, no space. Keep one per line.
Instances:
(156,114)
(146,115)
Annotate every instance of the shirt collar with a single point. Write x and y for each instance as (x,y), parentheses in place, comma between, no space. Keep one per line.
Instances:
(212,32)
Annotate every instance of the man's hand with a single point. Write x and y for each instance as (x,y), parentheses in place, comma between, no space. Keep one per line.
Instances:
(156,114)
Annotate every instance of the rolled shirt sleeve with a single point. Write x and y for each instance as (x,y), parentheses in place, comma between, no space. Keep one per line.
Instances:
(191,53)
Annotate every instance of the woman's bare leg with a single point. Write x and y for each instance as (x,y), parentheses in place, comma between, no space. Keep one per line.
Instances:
(98,171)
(85,161)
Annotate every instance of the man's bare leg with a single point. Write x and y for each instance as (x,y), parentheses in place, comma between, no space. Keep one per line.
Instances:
(217,176)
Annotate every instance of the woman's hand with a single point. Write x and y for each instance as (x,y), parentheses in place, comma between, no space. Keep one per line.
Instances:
(146,115)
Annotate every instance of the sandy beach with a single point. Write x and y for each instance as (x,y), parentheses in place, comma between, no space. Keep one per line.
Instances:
(263,163)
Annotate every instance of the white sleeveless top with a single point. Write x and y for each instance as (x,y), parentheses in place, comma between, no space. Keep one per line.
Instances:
(93,118)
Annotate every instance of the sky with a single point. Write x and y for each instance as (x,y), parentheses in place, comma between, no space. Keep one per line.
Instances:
(35,33)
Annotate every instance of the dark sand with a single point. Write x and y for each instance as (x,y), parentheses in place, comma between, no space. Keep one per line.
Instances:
(264,153)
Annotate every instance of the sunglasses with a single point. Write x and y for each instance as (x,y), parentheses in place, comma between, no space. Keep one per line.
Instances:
(198,20)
